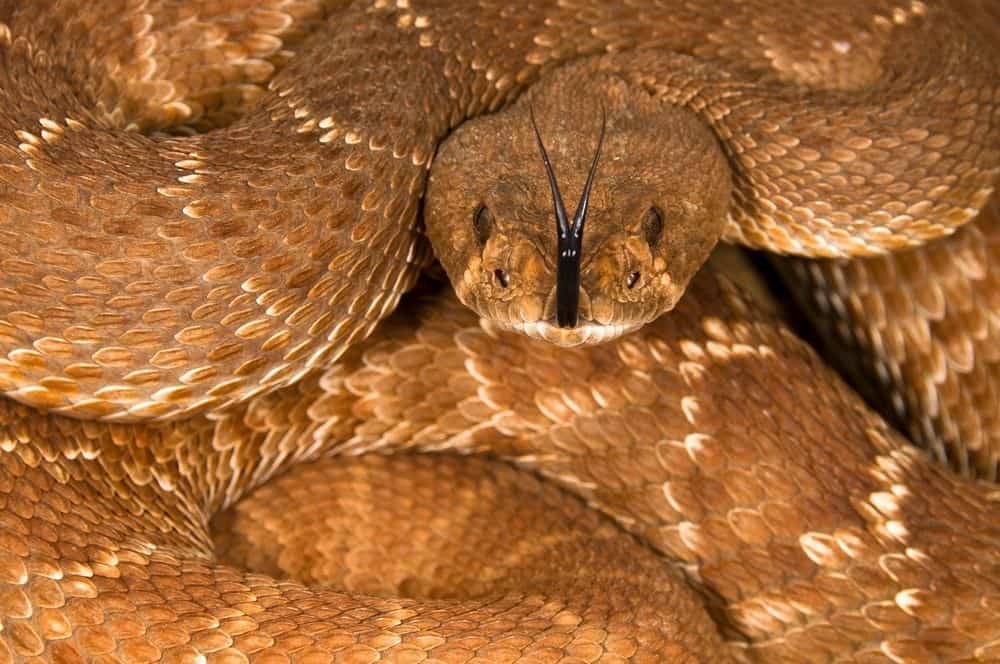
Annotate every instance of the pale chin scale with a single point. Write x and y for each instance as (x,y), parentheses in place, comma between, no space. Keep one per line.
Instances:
(586,334)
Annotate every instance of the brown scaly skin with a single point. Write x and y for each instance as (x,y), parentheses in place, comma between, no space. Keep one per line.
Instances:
(812,530)
(920,334)
(570,585)
(713,436)
(157,277)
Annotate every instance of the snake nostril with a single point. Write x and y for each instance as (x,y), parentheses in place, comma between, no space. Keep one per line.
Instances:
(632,280)
(502,279)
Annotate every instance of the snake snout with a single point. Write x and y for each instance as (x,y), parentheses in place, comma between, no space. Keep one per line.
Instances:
(583,310)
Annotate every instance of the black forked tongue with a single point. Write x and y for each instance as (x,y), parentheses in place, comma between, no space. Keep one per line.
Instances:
(570,236)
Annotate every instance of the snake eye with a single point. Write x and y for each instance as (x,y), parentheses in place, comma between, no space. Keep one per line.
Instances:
(652,226)
(502,279)
(632,280)
(482,223)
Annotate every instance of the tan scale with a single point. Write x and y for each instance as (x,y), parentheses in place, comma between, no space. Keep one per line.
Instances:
(156,276)
(707,488)
(924,324)
(807,527)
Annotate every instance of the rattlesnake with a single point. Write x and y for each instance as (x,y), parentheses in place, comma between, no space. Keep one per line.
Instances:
(207,208)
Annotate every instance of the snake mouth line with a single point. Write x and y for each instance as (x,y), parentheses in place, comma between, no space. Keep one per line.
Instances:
(583,334)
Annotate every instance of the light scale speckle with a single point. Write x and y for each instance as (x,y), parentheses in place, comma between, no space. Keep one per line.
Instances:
(703,488)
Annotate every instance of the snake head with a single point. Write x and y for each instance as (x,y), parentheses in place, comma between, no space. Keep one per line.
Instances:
(653,188)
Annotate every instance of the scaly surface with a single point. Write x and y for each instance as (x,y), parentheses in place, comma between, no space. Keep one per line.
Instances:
(224,282)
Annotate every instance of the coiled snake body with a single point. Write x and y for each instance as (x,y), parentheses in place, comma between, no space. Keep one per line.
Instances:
(206,207)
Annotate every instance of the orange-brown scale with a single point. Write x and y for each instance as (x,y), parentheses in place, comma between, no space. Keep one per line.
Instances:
(918,331)
(811,527)
(582,583)
(157,276)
